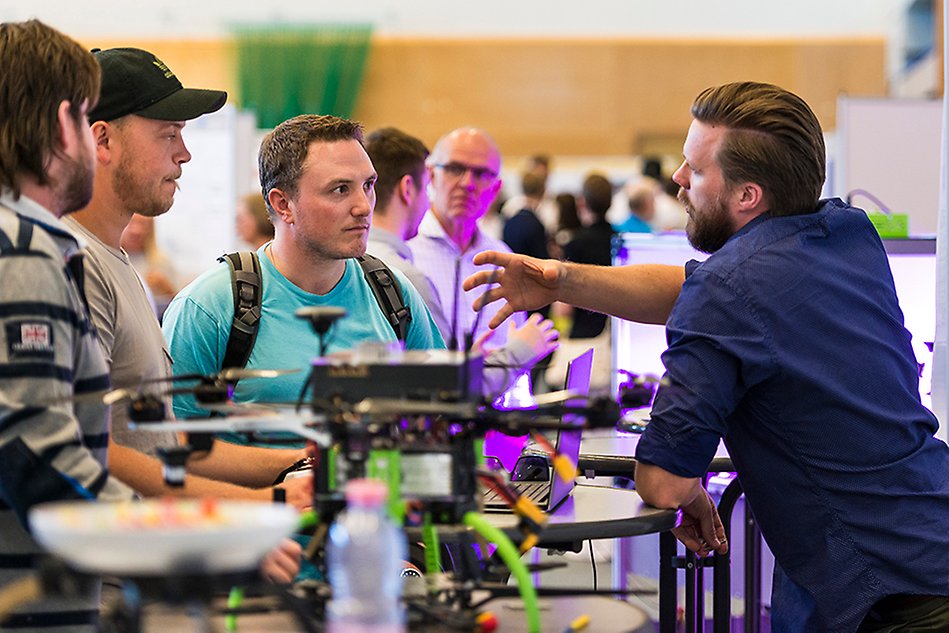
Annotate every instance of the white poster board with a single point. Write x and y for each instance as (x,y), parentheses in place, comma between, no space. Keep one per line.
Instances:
(200,225)
(891,148)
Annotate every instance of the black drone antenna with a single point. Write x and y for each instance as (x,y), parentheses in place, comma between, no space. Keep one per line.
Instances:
(470,335)
(321,318)
(453,339)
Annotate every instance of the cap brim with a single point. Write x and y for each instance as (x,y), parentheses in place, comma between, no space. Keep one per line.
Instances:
(185,104)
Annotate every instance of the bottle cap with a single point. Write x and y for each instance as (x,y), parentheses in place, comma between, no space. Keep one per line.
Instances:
(366,492)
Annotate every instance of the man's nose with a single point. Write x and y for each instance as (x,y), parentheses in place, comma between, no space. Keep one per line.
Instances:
(364,204)
(468,179)
(183,154)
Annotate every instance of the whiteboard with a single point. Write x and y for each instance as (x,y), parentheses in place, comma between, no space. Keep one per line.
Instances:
(200,225)
(891,148)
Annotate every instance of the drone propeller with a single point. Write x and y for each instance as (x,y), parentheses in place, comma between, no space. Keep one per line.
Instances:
(212,387)
(557,397)
(227,375)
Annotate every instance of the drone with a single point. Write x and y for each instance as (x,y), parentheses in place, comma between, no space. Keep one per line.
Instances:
(404,418)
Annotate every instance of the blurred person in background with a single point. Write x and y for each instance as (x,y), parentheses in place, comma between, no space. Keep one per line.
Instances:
(252,222)
(546,208)
(150,261)
(641,199)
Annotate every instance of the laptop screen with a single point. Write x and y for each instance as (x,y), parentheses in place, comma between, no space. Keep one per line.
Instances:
(577,381)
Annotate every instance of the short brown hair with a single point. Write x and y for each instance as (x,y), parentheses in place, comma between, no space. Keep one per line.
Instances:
(394,154)
(283,151)
(41,69)
(597,194)
(533,185)
(773,139)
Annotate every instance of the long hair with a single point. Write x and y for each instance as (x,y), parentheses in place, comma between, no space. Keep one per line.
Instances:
(41,69)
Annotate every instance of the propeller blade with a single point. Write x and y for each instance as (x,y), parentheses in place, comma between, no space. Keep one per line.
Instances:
(235,373)
(556,397)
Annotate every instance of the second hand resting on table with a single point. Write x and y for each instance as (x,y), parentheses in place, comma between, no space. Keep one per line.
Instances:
(643,293)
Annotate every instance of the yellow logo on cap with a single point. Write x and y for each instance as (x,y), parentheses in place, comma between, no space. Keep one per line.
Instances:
(164,69)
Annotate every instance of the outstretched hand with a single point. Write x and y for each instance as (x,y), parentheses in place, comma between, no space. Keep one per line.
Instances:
(701,530)
(525,283)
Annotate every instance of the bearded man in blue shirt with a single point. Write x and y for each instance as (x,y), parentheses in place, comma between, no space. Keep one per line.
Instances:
(787,343)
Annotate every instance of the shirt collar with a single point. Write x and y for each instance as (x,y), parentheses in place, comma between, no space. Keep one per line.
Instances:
(391,240)
(33,211)
(431,227)
(760,218)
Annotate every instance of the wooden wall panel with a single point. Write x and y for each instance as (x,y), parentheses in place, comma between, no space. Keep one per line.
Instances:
(565,96)
(595,97)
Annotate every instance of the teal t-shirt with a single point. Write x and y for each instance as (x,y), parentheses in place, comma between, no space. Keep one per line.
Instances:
(198,322)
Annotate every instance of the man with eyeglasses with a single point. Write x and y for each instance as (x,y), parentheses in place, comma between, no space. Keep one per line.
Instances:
(464,169)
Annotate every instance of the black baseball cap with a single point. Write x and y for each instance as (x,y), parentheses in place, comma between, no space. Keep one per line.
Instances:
(136,82)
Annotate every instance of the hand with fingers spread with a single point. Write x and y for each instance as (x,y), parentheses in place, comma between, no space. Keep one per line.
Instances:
(701,530)
(525,283)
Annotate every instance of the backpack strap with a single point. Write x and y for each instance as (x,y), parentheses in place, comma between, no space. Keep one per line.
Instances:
(247,289)
(388,294)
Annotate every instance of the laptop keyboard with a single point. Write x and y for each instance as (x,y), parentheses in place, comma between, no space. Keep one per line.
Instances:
(536,491)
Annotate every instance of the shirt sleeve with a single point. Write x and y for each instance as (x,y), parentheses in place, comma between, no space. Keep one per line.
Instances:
(196,340)
(51,444)
(102,305)
(718,351)
(423,333)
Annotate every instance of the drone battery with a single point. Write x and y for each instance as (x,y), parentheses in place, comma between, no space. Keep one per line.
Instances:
(430,375)
(427,476)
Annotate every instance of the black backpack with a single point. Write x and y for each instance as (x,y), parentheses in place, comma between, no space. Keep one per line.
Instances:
(247,290)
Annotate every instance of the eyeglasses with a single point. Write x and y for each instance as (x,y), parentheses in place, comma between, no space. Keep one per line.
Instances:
(482,176)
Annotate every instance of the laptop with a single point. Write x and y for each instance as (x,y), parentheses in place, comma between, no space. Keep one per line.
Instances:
(550,492)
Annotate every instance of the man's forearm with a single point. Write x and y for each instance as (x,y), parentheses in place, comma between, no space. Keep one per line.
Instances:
(661,489)
(143,474)
(244,465)
(644,292)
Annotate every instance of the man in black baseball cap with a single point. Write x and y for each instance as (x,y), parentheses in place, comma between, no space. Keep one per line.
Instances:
(137,128)
(136,82)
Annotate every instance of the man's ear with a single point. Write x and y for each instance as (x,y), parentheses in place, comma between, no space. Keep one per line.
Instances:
(407,189)
(103,134)
(281,204)
(750,198)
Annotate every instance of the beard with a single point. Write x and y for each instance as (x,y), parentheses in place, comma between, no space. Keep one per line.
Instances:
(77,189)
(710,227)
(136,193)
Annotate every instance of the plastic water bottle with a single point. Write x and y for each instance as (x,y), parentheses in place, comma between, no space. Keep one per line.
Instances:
(364,560)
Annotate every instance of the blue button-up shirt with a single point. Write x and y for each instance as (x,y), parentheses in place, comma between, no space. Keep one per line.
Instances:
(789,344)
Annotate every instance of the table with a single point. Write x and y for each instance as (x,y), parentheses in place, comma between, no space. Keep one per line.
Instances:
(607,615)
(596,512)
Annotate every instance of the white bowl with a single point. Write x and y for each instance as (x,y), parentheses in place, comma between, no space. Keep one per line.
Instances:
(156,537)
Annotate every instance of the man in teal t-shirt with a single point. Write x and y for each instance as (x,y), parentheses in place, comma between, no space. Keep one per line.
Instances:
(317,181)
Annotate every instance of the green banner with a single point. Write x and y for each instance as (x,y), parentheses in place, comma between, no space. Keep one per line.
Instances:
(284,71)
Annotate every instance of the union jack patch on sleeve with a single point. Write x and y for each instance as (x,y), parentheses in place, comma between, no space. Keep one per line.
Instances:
(30,339)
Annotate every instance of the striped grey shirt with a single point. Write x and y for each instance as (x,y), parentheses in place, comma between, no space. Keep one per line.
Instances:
(51,447)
